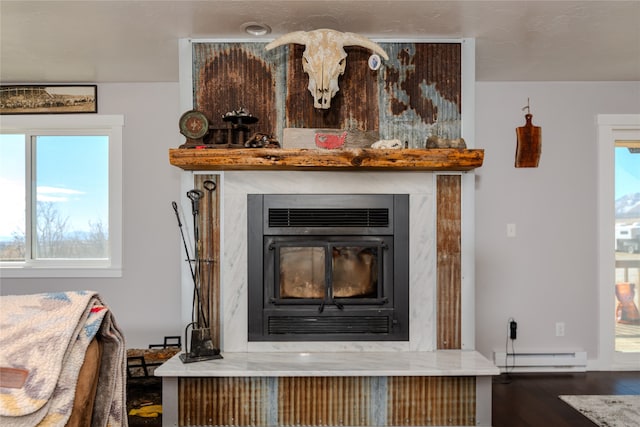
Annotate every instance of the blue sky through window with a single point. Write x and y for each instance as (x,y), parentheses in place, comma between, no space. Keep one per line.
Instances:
(72,172)
(627,176)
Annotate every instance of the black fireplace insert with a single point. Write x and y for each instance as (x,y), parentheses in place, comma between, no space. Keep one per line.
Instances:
(328,267)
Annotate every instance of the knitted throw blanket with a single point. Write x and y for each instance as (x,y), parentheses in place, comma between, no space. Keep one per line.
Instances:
(43,341)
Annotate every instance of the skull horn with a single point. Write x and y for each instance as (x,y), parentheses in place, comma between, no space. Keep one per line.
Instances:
(353,39)
(297,37)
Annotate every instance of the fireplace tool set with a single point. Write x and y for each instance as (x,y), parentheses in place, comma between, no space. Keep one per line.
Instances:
(200,347)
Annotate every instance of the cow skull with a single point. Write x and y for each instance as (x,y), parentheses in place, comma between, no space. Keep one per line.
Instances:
(324,59)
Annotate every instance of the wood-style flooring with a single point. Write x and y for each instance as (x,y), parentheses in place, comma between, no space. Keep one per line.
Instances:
(531,400)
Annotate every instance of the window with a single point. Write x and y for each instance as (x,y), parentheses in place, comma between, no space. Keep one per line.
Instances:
(612,128)
(61,187)
(627,244)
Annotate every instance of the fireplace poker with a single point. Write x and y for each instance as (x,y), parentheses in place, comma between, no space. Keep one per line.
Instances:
(210,186)
(190,261)
(195,196)
(184,241)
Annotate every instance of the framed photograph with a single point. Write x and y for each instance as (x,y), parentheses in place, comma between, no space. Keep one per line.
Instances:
(48,99)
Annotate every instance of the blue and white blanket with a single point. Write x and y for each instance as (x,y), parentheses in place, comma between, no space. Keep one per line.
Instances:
(43,341)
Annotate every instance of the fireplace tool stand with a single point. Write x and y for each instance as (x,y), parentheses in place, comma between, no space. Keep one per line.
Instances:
(200,347)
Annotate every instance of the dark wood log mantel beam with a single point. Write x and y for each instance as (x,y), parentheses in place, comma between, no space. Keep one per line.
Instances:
(345,159)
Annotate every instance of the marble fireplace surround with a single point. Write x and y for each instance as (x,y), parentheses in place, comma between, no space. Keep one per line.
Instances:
(459,380)
(234,187)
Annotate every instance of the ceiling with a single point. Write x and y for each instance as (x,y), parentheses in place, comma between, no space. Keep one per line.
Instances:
(137,41)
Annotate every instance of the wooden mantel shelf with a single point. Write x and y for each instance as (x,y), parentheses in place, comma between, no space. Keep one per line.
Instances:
(449,159)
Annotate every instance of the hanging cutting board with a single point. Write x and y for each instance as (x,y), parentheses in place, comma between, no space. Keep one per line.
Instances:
(529,144)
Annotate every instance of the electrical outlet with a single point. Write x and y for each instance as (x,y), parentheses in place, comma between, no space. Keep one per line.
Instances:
(513,328)
(559,329)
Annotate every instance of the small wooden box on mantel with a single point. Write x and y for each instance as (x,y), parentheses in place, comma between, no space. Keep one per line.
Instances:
(432,159)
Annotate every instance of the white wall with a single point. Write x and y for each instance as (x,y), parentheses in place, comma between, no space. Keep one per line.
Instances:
(146,299)
(548,272)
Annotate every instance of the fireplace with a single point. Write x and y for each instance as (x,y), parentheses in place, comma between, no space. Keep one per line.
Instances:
(328,267)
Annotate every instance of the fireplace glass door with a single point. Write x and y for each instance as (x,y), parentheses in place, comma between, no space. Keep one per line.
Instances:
(320,272)
(301,273)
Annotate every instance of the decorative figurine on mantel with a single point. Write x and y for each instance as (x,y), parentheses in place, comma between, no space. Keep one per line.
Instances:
(438,142)
(238,121)
(529,142)
(261,140)
(388,144)
(195,126)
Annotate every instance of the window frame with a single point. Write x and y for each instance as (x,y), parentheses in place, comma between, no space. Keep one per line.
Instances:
(73,124)
(610,127)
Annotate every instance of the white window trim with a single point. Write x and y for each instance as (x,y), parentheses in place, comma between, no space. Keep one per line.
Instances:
(111,125)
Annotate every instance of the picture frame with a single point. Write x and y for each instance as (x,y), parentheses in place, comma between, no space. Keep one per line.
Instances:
(48,99)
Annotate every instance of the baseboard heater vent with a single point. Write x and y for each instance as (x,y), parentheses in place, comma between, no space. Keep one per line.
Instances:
(554,361)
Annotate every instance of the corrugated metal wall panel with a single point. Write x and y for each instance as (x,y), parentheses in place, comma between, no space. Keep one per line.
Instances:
(324,401)
(327,401)
(224,401)
(449,241)
(228,76)
(421,92)
(431,401)
(355,106)
(416,93)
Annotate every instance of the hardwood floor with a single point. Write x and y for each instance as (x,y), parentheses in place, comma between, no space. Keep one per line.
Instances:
(531,400)
(141,392)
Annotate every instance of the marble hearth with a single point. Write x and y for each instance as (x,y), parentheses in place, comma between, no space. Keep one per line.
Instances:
(442,387)
(235,185)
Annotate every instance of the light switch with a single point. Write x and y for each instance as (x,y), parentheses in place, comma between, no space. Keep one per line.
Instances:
(511,230)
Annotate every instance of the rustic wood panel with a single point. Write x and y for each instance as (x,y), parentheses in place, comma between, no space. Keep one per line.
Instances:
(432,401)
(449,239)
(344,159)
(209,249)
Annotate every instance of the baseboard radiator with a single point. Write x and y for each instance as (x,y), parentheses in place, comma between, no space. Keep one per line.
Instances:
(541,361)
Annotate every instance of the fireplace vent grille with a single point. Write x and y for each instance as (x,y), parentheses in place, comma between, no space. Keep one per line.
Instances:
(328,325)
(324,217)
